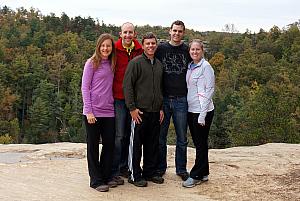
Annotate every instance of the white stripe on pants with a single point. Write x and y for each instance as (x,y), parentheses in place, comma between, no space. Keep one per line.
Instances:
(130,153)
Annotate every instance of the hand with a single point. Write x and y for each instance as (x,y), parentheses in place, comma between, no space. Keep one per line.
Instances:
(201,120)
(202,124)
(91,118)
(161,116)
(135,115)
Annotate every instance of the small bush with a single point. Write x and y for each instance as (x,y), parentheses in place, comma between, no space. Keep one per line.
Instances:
(6,139)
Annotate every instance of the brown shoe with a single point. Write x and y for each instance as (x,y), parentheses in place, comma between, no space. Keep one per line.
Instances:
(102,188)
(112,184)
(118,180)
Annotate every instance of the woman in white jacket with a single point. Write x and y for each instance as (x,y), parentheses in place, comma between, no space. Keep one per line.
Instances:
(201,84)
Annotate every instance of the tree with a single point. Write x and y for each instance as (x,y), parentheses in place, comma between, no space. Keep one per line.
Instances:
(230,28)
(41,114)
(268,115)
(9,125)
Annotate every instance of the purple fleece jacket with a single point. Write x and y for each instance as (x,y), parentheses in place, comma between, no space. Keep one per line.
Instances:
(96,89)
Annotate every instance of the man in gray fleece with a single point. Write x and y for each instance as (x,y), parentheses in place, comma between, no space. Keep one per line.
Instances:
(142,87)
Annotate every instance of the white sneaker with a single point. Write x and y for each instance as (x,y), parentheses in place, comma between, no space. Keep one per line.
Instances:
(190,182)
(204,178)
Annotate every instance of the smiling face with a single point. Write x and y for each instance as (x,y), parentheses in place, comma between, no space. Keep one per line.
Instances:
(150,46)
(196,51)
(176,34)
(127,34)
(105,48)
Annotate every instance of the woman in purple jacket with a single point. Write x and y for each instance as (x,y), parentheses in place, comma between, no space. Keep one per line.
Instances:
(98,111)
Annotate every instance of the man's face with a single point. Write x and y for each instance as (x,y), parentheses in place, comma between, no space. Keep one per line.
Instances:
(176,33)
(127,34)
(150,46)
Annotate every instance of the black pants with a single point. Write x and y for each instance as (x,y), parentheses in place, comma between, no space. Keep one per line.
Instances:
(200,135)
(100,171)
(145,134)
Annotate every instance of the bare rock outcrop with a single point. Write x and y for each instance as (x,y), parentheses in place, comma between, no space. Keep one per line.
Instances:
(59,172)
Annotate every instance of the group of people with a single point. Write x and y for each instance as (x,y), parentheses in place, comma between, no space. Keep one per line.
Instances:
(130,92)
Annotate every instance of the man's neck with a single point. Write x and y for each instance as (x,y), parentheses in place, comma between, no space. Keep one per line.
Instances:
(174,43)
(151,57)
(128,45)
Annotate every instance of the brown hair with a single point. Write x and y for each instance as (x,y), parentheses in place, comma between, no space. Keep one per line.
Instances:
(179,23)
(96,58)
(148,35)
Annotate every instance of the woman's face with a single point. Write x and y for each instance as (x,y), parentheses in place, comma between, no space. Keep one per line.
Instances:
(196,52)
(106,49)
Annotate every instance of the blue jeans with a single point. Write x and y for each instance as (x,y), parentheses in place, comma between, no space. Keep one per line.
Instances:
(123,123)
(177,109)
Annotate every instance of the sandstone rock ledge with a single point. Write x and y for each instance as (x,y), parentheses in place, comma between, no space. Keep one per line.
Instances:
(59,172)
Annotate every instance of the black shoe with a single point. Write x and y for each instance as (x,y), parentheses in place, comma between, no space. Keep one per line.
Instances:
(184,175)
(124,173)
(138,183)
(156,179)
(161,173)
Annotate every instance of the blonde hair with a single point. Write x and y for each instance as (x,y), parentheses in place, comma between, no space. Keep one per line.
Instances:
(197,41)
(96,58)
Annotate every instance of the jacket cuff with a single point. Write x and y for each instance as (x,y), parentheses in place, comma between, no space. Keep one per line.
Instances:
(131,107)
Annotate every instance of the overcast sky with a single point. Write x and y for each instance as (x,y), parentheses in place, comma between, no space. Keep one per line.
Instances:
(209,15)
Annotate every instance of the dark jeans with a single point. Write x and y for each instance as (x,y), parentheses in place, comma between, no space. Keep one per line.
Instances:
(146,135)
(100,170)
(200,135)
(123,122)
(177,109)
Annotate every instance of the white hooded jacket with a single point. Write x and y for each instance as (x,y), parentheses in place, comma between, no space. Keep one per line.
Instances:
(200,81)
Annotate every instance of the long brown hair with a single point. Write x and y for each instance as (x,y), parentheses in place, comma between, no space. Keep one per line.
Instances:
(96,58)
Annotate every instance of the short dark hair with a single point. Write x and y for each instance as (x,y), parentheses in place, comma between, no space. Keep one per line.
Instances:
(179,23)
(148,35)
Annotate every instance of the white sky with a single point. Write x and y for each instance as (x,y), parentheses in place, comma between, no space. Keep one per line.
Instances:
(209,15)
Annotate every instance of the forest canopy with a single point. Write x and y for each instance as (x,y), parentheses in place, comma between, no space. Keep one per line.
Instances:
(257,97)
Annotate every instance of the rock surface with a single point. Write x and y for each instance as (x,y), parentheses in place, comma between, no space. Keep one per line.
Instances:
(59,172)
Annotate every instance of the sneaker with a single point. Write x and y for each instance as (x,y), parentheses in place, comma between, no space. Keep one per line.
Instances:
(102,188)
(156,179)
(112,184)
(138,183)
(118,180)
(204,178)
(190,182)
(184,175)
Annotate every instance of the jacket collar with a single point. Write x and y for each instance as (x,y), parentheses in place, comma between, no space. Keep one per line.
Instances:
(192,65)
(147,59)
